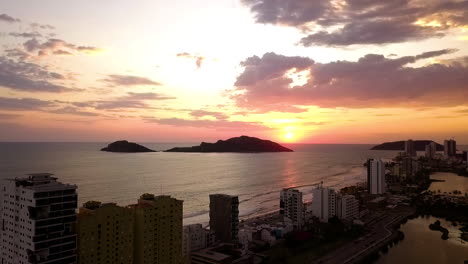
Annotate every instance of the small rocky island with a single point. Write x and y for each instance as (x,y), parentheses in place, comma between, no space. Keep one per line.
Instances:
(419,145)
(243,144)
(126,147)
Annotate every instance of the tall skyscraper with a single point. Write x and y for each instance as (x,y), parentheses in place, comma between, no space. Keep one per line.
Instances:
(105,234)
(158,230)
(324,203)
(450,148)
(410,150)
(431,150)
(376,176)
(292,207)
(224,217)
(38,219)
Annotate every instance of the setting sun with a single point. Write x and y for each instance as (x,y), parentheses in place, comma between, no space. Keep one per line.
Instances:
(289,136)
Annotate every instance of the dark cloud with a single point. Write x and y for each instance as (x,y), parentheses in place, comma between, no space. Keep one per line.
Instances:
(62,52)
(198,59)
(23,104)
(69,110)
(17,53)
(29,77)
(270,66)
(129,101)
(4,116)
(288,12)
(56,46)
(351,22)
(25,34)
(203,113)
(210,124)
(128,80)
(41,26)
(372,81)
(8,19)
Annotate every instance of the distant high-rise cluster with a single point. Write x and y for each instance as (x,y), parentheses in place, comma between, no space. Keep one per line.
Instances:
(327,203)
(376,176)
(450,148)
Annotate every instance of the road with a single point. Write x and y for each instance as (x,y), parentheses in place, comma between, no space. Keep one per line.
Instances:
(380,230)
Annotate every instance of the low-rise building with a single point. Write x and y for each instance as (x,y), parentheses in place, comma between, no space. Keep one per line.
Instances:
(196,237)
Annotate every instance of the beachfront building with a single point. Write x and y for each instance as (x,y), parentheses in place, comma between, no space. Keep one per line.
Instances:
(38,219)
(158,230)
(324,203)
(224,217)
(105,234)
(376,176)
(450,148)
(348,207)
(410,150)
(292,207)
(431,150)
(195,237)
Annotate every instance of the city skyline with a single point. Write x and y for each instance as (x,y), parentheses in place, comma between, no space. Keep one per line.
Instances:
(292,72)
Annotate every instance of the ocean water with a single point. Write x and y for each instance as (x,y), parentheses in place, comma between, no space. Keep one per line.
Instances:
(256,178)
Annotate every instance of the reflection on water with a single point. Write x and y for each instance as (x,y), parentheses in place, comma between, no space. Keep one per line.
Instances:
(422,245)
(256,177)
(451,183)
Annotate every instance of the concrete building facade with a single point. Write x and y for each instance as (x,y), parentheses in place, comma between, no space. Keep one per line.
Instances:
(410,150)
(376,176)
(450,148)
(292,207)
(224,217)
(348,207)
(38,218)
(195,237)
(105,234)
(324,203)
(158,230)
(431,150)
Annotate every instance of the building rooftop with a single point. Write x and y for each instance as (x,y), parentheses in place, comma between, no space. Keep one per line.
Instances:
(212,255)
(41,182)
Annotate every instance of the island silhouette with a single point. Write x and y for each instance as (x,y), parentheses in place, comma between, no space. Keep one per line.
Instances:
(241,144)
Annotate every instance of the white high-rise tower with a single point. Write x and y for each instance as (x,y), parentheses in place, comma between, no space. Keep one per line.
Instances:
(37,218)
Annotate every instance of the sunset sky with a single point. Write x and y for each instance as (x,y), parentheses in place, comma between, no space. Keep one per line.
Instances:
(341,71)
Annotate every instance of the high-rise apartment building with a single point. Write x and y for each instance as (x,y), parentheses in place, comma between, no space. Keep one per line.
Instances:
(105,234)
(224,217)
(38,219)
(158,230)
(431,150)
(324,203)
(450,148)
(376,176)
(292,207)
(410,150)
(348,207)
